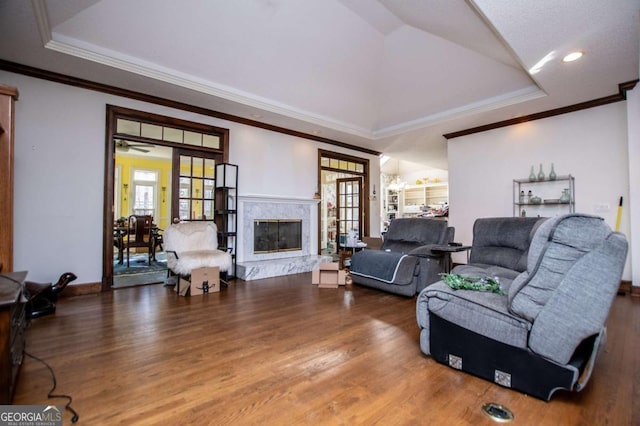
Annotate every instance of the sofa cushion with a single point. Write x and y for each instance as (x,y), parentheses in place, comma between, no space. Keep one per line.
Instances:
(579,307)
(407,234)
(480,270)
(481,312)
(190,260)
(555,249)
(503,241)
(185,236)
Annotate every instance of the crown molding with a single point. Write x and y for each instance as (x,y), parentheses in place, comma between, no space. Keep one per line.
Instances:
(42,20)
(79,49)
(130,94)
(620,96)
(511,98)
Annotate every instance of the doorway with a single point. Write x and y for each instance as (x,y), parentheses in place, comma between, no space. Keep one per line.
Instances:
(159,167)
(194,184)
(142,184)
(343,209)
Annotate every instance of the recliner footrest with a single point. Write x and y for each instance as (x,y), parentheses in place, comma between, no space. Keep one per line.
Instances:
(506,365)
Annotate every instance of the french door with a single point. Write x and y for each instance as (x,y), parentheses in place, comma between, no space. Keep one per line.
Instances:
(194,184)
(349,208)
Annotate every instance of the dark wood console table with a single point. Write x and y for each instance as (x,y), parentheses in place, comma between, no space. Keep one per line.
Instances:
(12,325)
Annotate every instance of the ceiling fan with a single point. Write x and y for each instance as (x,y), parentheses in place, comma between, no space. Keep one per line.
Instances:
(124,146)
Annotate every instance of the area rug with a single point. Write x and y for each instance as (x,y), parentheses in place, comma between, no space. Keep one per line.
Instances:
(139,264)
(139,272)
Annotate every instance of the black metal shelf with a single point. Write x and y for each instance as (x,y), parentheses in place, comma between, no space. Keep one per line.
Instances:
(227,234)
(225,209)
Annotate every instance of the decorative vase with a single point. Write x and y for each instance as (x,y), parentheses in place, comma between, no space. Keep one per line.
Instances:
(521,199)
(565,197)
(540,173)
(529,195)
(552,173)
(532,175)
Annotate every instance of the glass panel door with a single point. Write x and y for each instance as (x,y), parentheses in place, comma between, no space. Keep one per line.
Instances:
(349,208)
(194,182)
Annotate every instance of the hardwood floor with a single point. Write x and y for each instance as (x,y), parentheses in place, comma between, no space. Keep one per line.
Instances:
(281,351)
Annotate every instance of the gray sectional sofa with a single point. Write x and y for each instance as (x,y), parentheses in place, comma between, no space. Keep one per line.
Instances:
(544,332)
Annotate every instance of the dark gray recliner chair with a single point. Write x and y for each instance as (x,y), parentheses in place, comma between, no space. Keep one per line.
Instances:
(405,263)
(545,332)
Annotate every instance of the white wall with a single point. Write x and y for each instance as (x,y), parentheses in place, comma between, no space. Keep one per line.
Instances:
(59,173)
(589,144)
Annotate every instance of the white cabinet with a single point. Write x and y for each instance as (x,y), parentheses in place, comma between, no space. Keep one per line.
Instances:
(392,203)
(417,199)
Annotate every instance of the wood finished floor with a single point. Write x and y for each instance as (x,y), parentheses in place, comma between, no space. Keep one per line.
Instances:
(281,351)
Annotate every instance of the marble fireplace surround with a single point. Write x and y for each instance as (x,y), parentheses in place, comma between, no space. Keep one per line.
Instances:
(252,265)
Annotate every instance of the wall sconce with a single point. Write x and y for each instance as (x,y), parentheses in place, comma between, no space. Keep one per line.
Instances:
(164,193)
(125,190)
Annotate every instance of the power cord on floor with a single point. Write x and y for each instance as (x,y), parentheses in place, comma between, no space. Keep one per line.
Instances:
(75,417)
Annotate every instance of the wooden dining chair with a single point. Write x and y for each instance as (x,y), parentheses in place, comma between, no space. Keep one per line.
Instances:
(139,234)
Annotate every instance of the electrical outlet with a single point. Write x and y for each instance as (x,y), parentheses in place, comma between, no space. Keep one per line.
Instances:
(601,208)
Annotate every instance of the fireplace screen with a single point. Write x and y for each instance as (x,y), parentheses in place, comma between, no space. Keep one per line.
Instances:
(273,235)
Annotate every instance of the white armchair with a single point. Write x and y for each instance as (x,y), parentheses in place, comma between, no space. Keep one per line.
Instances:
(192,245)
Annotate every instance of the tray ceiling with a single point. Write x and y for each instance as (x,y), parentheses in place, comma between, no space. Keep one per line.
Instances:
(389,75)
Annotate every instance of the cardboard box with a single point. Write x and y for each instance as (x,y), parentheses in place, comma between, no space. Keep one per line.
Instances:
(203,280)
(328,275)
(182,288)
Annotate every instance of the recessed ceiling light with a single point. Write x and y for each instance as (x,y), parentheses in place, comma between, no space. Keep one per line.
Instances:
(316,132)
(573,56)
(256,116)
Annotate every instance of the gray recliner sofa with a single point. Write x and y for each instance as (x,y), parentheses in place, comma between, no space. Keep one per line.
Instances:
(404,264)
(543,334)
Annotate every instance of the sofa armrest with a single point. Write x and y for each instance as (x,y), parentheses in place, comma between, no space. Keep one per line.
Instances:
(426,251)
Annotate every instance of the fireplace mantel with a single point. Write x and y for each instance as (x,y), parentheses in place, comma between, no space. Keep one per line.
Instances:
(256,207)
(253,207)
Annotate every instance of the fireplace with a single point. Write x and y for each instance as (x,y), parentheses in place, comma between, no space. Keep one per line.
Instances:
(277,235)
(254,208)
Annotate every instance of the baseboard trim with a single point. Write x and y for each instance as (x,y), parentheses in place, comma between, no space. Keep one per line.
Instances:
(81,289)
(625,287)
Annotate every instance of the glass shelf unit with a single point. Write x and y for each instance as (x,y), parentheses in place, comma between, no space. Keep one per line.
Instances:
(550,193)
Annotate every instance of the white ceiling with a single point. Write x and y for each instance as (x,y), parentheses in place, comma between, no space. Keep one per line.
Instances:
(388,75)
